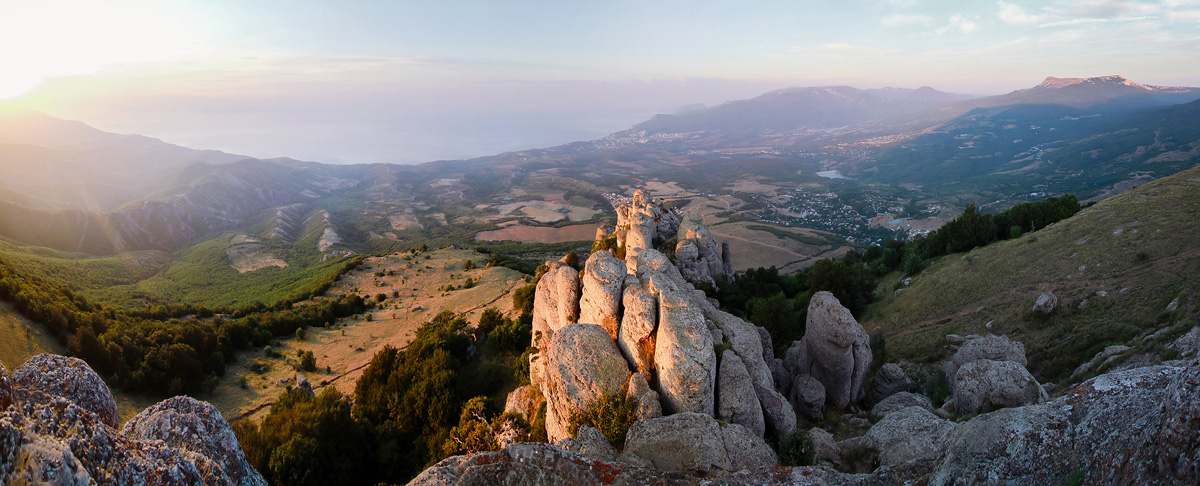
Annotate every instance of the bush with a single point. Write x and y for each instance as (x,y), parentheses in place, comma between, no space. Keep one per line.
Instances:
(521,366)
(796,449)
(301,333)
(490,319)
(612,415)
(308,361)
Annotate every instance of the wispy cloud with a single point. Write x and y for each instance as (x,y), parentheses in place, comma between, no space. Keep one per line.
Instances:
(899,20)
(1016,15)
(959,23)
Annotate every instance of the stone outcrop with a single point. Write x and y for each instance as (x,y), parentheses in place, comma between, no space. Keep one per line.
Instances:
(646,402)
(901,401)
(808,395)
(555,302)
(907,434)
(684,360)
(589,442)
(600,302)
(46,437)
(696,443)
(524,401)
(640,319)
(737,401)
(583,365)
(995,348)
(889,380)
(835,350)
(192,425)
(70,378)
(641,222)
(699,257)
(985,384)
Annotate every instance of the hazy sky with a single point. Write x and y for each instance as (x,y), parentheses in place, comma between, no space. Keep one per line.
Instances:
(409,81)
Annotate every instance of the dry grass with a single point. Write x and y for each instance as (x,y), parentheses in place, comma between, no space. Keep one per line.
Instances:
(752,248)
(343,351)
(1095,251)
(538,234)
(21,339)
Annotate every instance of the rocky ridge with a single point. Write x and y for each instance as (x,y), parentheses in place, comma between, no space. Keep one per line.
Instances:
(58,426)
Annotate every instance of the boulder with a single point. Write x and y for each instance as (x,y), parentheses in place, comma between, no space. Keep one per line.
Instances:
(825,446)
(908,434)
(188,424)
(1099,360)
(777,412)
(637,333)
(835,350)
(746,449)
(555,302)
(684,442)
(995,348)
(645,398)
(899,401)
(808,396)
(684,360)
(6,388)
(600,302)
(524,401)
(737,401)
(589,442)
(72,379)
(538,463)
(1046,303)
(985,384)
(583,365)
(889,380)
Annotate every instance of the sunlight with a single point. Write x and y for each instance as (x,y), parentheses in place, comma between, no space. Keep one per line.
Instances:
(46,39)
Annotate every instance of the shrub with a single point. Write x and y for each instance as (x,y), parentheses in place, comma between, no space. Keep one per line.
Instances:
(521,366)
(490,319)
(308,361)
(612,415)
(796,449)
(301,333)
(879,348)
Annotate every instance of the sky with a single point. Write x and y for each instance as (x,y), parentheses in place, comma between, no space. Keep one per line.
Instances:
(412,81)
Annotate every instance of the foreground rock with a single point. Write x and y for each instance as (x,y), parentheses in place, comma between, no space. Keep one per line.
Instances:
(835,350)
(47,438)
(70,378)
(583,365)
(984,385)
(907,434)
(696,443)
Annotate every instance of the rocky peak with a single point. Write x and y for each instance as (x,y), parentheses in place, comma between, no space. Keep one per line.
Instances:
(57,426)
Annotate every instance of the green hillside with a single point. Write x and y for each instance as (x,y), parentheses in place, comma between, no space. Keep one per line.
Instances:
(1114,267)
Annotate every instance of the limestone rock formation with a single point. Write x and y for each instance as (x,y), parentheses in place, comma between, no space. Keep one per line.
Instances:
(995,348)
(684,360)
(907,434)
(600,301)
(697,443)
(45,437)
(591,443)
(638,325)
(808,395)
(641,222)
(901,401)
(555,302)
(647,404)
(738,403)
(524,401)
(889,380)
(699,257)
(835,350)
(70,378)
(583,365)
(191,425)
(984,384)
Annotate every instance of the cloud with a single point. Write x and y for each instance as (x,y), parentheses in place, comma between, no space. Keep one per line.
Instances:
(1185,16)
(959,23)
(898,20)
(1016,15)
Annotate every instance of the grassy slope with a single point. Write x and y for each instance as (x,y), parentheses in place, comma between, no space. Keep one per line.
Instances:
(1142,247)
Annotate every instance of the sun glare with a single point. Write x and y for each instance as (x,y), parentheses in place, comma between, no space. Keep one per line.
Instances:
(53,38)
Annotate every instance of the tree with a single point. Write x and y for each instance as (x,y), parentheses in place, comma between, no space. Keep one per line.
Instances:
(490,319)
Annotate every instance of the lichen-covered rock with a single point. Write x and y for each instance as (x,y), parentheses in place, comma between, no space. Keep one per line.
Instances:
(985,384)
(70,378)
(746,341)
(746,449)
(825,446)
(530,463)
(1169,452)
(901,401)
(641,222)
(638,325)
(46,438)
(698,255)
(524,401)
(907,434)
(555,302)
(737,401)
(808,395)
(684,442)
(835,350)
(889,380)
(192,425)
(684,360)
(590,442)
(583,365)
(645,398)
(600,302)
(995,348)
